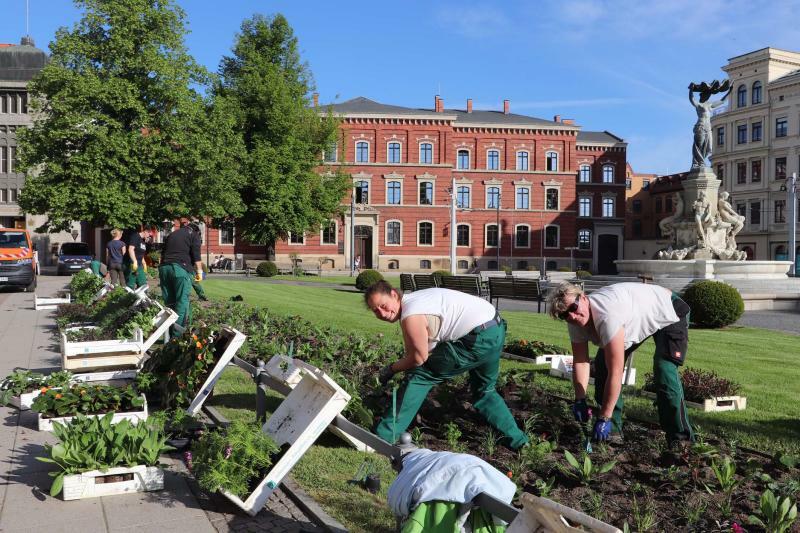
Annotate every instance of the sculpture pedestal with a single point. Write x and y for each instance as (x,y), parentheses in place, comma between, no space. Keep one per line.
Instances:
(703,269)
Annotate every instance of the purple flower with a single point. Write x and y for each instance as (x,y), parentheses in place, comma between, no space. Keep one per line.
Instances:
(228,451)
(737,528)
(187,457)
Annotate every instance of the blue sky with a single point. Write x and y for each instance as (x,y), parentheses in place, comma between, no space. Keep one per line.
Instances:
(617,65)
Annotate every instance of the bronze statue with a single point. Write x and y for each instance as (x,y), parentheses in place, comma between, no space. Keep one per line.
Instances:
(701,149)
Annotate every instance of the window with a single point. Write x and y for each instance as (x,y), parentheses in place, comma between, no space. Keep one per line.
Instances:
(551,199)
(13,108)
(658,205)
(3,160)
(12,158)
(608,174)
(585,174)
(462,197)
(425,264)
(491,235)
(393,233)
(637,227)
(741,172)
(755,171)
(755,132)
(584,239)
(522,237)
(780,168)
(492,265)
(668,205)
(462,235)
(329,154)
(393,264)
(551,265)
(3,195)
(741,134)
(425,234)
(645,185)
(463,264)
(393,153)
(297,238)
(741,96)
(362,192)
(425,193)
(608,207)
(781,127)
(523,198)
(780,207)
(522,160)
(492,197)
(14,195)
(362,152)
(637,206)
(552,161)
(721,136)
(755,212)
(628,184)
(492,160)
(756,98)
(226,232)
(741,209)
(584,206)
(463,159)
(393,193)
(329,233)
(522,265)
(720,171)
(551,237)
(426,153)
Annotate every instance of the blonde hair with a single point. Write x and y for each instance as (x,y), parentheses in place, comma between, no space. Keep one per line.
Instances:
(116,233)
(562,297)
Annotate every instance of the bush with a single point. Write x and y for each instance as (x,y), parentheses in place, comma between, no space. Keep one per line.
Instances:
(564,269)
(583,274)
(266,269)
(439,274)
(714,304)
(367,278)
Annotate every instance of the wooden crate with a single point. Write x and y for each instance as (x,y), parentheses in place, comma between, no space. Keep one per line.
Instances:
(561,367)
(46,424)
(226,346)
(41,303)
(94,484)
(713,405)
(541,515)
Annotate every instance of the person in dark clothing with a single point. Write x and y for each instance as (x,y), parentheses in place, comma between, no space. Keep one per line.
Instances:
(133,264)
(198,289)
(115,249)
(180,262)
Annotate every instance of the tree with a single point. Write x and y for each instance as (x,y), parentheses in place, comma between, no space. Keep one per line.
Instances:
(284,136)
(122,135)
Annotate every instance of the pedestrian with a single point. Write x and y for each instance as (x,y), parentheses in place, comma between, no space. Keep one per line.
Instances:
(198,289)
(134,264)
(619,318)
(115,249)
(357,264)
(180,262)
(445,333)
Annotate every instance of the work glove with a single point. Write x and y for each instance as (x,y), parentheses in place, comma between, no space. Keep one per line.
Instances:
(602,429)
(134,266)
(386,374)
(198,276)
(144,266)
(581,411)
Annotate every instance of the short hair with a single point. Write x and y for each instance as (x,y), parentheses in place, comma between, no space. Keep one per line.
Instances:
(380,287)
(116,233)
(562,297)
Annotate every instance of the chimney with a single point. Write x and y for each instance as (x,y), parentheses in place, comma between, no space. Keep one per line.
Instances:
(469,105)
(315,96)
(439,104)
(568,121)
(557,118)
(506,106)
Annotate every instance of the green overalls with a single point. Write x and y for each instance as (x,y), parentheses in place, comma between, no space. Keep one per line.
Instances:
(176,283)
(135,279)
(477,353)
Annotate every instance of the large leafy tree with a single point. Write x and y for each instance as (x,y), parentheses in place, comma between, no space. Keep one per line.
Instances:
(283,134)
(122,134)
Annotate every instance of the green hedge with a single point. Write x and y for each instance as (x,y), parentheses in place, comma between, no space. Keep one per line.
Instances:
(714,304)
(266,269)
(367,278)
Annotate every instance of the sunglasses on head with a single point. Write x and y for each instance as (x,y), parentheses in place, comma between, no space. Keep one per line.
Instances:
(571,309)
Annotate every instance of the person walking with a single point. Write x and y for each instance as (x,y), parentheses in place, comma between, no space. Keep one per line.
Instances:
(115,249)
(180,262)
(133,264)
(445,333)
(198,288)
(619,318)
(357,264)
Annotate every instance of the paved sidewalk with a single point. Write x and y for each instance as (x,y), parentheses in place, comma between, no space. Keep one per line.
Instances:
(27,340)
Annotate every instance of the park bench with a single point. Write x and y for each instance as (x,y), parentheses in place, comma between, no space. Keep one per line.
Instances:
(467,284)
(424,281)
(407,283)
(516,289)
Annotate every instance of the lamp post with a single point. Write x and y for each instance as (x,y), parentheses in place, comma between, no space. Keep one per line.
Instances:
(790,187)
(453,228)
(571,262)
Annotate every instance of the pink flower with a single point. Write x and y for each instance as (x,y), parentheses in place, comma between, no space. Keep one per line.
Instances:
(228,451)
(589,411)
(736,528)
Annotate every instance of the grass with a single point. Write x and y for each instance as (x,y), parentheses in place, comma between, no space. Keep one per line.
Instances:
(766,363)
(341,280)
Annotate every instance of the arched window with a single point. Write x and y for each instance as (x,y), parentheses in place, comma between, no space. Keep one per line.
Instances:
(523,198)
(492,160)
(463,264)
(551,236)
(426,153)
(462,235)
(425,193)
(492,265)
(362,192)
(425,234)
(552,161)
(393,193)
(585,174)
(492,197)
(781,253)
(756,98)
(393,264)
(522,160)
(551,199)
(463,159)
(584,239)
(425,264)
(608,174)
(741,96)
(362,152)
(393,232)
(462,197)
(551,265)
(491,236)
(522,235)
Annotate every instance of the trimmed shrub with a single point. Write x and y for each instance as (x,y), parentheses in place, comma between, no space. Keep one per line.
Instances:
(714,304)
(439,274)
(367,278)
(266,269)
(583,274)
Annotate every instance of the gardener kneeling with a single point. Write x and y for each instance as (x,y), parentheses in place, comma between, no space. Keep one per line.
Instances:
(618,319)
(445,333)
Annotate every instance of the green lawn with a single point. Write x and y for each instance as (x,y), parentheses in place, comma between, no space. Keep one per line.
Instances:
(766,363)
(342,280)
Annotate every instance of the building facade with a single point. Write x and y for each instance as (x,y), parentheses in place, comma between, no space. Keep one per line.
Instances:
(528,193)
(756,146)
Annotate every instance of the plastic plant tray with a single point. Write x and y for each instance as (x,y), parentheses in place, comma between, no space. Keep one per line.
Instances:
(226,345)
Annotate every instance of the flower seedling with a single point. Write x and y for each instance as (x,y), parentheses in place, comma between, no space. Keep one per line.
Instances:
(586,472)
(776,516)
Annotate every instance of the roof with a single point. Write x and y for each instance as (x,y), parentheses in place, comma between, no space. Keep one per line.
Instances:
(599,137)
(21,62)
(791,76)
(365,106)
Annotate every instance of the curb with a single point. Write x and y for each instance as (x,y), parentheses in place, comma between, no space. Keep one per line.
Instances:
(310,507)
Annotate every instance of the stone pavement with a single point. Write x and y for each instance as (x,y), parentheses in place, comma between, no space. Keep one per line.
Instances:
(27,341)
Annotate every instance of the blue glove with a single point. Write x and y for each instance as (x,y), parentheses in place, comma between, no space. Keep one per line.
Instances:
(581,411)
(602,429)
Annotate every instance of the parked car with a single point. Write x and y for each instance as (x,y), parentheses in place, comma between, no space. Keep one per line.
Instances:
(17,259)
(73,256)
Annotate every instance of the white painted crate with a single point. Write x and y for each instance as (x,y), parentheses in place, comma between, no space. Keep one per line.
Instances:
(110,375)
(46,424)
(546,516)
(41,303)
(23,401)
(96,355)
(226,346)
(105,289)
(713,405)
(299,420)
(87,485)
(561,367)
(161,324)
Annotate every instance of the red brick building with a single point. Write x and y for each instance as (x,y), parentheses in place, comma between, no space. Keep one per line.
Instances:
(526,173)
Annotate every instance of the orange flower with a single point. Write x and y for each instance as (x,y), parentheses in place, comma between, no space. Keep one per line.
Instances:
(199,344)
(43,390)
(510,474)
(200,357)
(194,337)
(58,396)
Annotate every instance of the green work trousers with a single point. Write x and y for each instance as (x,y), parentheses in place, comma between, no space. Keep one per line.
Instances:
(477,353)
(175,286)
(137,279)
(670,402)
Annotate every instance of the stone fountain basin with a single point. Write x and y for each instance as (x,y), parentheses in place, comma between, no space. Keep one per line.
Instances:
(704,269)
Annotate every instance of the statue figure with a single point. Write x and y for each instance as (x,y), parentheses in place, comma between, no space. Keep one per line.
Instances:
(729,215)
(702,216)
(666,223)
(701,149)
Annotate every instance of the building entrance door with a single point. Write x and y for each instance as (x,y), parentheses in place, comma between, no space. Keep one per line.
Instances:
(363,245)
(607,254)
